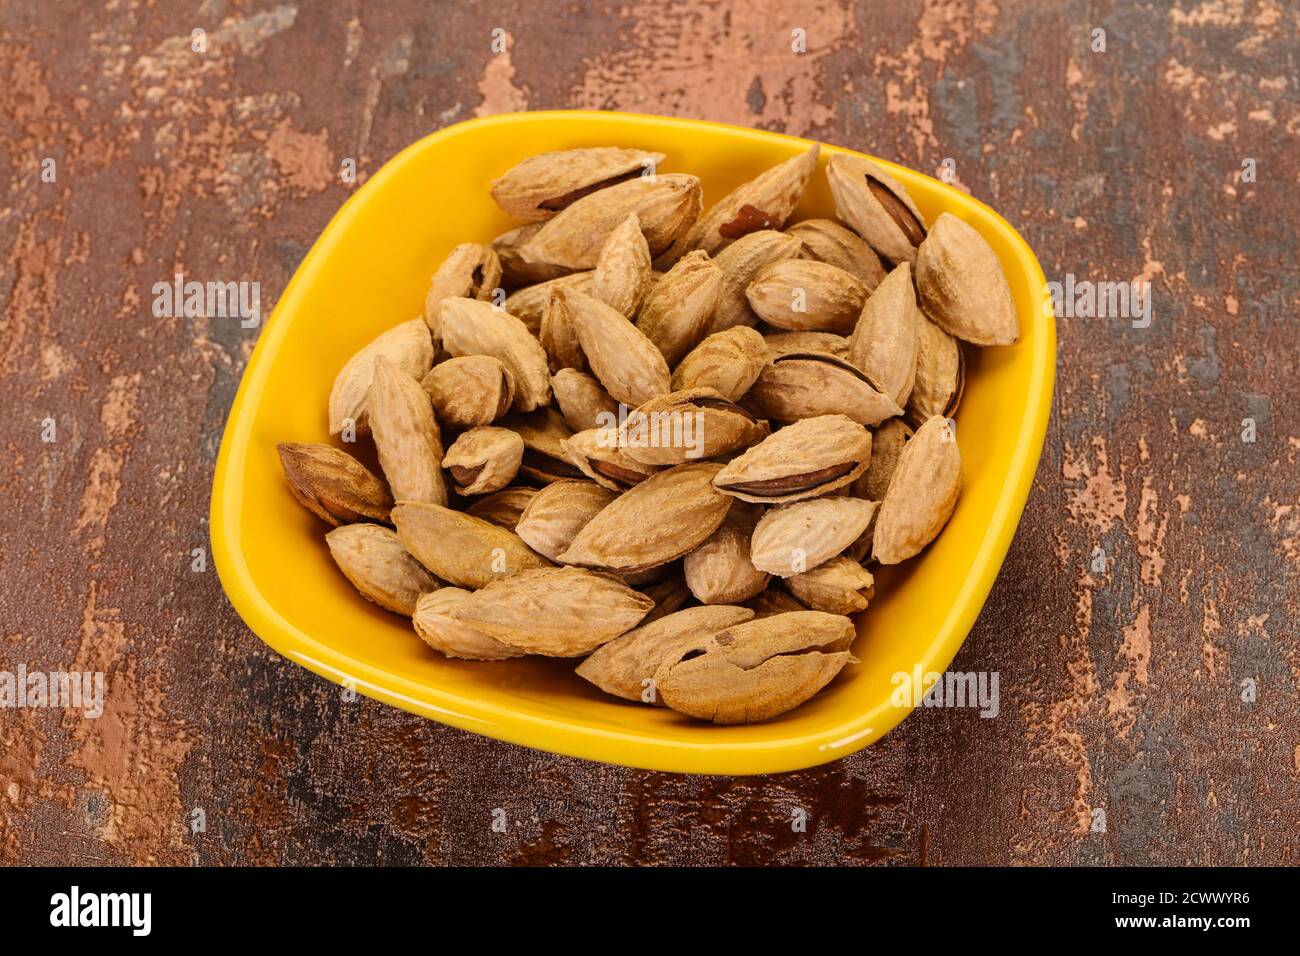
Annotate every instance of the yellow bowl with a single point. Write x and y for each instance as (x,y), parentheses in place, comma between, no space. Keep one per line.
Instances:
(370,269)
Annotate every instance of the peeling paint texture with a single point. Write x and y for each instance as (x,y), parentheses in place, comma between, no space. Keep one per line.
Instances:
(1143,626)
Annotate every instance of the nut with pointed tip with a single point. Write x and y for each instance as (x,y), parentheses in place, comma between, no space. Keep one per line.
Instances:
(371,557)
(798,386)
(875,206)
(596,454)
(827,241)
(922,493)
(542,185)
(484,459)
(885,340)
(470,327)
(808,458)
(333,485)
(410,348)
(470,270)
(469,391)
(690,424)
(727,362)
(807,295)
(962,286)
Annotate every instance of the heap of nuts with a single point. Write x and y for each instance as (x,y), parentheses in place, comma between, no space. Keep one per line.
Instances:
(662,440)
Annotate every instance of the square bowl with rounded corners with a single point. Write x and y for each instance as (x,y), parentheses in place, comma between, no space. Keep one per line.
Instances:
(370,269)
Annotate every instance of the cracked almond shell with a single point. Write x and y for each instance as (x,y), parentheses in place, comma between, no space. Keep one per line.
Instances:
(625,667)
(758,669)
(371,557)
(596,454)
(786,343)
(660,519)
(544,432)
(922,493)
(471,271)
(690,424)
(543,185)
(556,612)
(962,287)
(798,386)
(665,205)
(876,207)
(764,202)
(484,459)
(808,458)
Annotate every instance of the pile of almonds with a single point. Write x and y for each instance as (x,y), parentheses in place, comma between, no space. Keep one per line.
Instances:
(660,439)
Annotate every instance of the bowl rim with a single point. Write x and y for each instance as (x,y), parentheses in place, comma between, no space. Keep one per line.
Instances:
(623,747)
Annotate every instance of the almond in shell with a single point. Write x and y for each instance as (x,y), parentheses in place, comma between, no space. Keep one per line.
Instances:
(406,435)
(582,400)
(622,275)
(827,241)
(333,485)
(471,271)
(797,537)
(808,458)
(558,512)
(786,343)
(757,669)
(469,391)
(838,586)
(371,557)
(796,386)
(720,571)
(662,518)
(807,295)
(457,547)
(452,638)
(876,207)
(679,307)
(741,263)
(922,493)
(625,667)
(685,425)
(940,374)
(502,508)
(885,339)
(547,183)
(484,459)
(529,304)
(962,286)
(728,362)
(627,364)
(596,453)
(556,612)
(886,447)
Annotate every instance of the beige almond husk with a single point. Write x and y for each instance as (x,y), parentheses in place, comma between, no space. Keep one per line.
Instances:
(406,435)
(484,459)
(922,493)
(794,538)
(371,557)
(838,586)
(407,345)
(728,362)
(503,508)
(940,374)
(514,271)
(686,425)
(806,459)
(470,327)
(582,400)
(622,275)
(764,202)
(543,185)
(678,309)
(740,263)
(665,205)
(875,206)
(804,295)
(787,343)
(470,391)
(333,485)
(885,340)
(559,337)
(436,627)
(720,571)
(596,454)
(886,447)
(757,669)
(827,241)
(962,287)
(558,512)
(544,433)
(797,386)
(470,271)
(460,548)
(556,612)
(530,303)
(625,667)
(627,364)
(658,520)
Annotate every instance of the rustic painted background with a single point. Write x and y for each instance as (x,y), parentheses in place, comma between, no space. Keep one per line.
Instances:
(1121,690)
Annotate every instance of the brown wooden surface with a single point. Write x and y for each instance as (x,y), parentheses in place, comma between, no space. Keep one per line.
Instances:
(1119,690)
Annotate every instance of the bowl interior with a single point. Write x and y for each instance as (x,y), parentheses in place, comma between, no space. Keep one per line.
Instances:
(370,270)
